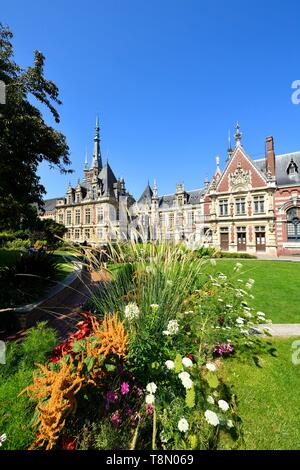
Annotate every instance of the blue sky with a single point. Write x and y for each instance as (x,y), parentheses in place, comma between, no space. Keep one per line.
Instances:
(168,79)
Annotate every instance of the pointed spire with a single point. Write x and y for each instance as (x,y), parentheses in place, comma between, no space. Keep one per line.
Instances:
(238,135)
(218,163)
(155,188)
(229,148)
(206,182)
(97,161)
(86,164)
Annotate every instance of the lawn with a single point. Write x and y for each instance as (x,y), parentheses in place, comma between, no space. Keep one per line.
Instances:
(276,288)
(268,398)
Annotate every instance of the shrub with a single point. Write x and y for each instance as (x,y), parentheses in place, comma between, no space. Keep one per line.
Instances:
(18,244)
(232,254)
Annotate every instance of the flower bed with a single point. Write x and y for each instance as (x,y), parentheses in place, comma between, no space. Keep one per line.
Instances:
(141,371)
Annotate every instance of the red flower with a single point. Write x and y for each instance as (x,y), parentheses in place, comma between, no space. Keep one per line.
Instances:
(68,442)
(190,356)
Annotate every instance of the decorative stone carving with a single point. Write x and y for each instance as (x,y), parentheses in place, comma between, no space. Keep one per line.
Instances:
(240,180)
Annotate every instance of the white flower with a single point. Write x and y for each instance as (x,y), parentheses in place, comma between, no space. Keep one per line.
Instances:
(150,399)
(229,424)
(132,311)
(244,332)
(211,417)
(223,405)
(261,314)
(248,314)
(210,400)
(211,367)
(183,425)
(220,300)
(240,321)
(237,267)
(172,328)
(229,306)
(170,364)
(151,388)
(154,306)
(185,379)
(2,439)
(222,276)
(186,361)
(184,375)
(163,437)
(169,283)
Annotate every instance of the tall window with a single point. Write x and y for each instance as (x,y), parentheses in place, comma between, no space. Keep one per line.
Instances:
(87,216)
(61,218)
(259,204)
(223,206)
(100,215)
(69,218)
(171,220)
(69,234)
(78,197)
(240,206)
(77,216)
(69,199)
(191,217)
(87,233)
(293,224)
(94,193)
(100,234)
(77,234)
(161,219)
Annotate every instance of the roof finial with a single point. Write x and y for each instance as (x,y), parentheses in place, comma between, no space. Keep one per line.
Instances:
(86,164)
(218,162)
(238,135)
(206,182)
(154,188)
(229,149)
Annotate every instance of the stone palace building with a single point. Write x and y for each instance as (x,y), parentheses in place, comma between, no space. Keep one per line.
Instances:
(250,205)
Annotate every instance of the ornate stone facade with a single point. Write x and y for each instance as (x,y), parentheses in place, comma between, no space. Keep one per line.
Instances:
(252,206)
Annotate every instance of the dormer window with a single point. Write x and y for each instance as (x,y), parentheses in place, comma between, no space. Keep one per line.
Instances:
(292,169)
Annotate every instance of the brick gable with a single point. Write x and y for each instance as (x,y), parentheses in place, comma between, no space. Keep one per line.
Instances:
(240,160)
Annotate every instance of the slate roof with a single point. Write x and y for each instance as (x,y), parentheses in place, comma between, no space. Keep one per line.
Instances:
(49,204)
(282,163)
(146,195)
(108,180)
(193,197)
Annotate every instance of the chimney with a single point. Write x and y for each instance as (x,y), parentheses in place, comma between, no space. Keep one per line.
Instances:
(270,156)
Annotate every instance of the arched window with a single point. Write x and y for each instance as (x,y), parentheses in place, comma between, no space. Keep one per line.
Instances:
(293,223)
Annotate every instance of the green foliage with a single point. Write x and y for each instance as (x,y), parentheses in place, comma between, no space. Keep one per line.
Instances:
(212,380)
(190,397)
(18,244)
(26,277)
(233,254)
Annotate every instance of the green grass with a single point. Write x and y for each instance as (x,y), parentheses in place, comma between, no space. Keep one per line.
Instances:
(276,288)
(268,398)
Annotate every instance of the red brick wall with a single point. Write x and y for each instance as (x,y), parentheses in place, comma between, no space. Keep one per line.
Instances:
(257,181)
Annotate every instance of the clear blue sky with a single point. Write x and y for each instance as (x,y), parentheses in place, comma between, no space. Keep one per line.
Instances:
(168,79)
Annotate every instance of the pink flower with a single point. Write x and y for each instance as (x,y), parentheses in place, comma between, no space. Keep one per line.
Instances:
(124,388)
(116,419)
(149,409)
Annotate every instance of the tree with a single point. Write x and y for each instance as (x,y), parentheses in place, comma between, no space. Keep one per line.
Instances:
(25,139)
(49,230)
